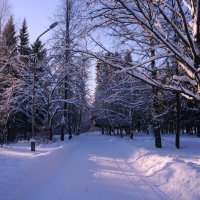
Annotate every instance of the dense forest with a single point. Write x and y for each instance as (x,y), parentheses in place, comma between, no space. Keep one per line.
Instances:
(147,60)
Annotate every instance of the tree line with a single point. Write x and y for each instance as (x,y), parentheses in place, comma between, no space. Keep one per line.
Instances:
(163,38)
(127,105)
(42,91)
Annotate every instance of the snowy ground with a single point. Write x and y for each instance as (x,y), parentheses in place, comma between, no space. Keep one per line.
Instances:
(96,167)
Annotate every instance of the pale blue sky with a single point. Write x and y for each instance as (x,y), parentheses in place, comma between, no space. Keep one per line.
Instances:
(39,15)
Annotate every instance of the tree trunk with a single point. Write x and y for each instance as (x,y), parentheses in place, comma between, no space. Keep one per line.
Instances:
(178,112)
(158,142)
(62,135)
(69,130)
(198,129)
(50,134)
(121,132)
(156,127)
(131,134)
(110,130)
(66,92)
(79,122)
(102,130)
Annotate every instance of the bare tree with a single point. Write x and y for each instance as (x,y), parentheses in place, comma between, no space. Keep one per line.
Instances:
(70,34)
(135,22)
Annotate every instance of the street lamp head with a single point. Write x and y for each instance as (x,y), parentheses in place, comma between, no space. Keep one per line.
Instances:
(50,27)
(53,25)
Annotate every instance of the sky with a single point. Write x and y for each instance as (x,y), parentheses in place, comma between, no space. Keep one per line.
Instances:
(38,13)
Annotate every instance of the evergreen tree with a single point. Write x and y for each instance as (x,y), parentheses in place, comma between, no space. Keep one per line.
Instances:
(24,39)
(38,48)
(11,83)
(9,34)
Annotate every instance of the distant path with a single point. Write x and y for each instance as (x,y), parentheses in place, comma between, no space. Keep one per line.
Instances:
(89,167)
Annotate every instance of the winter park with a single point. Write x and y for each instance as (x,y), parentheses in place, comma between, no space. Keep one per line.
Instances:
(99,99)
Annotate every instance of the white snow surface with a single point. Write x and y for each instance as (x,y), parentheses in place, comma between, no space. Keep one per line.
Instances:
(98,167)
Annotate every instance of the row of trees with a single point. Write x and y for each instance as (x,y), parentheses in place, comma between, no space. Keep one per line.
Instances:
(39,89)
(124,103)
(164,39)
(121,101)
(16,78)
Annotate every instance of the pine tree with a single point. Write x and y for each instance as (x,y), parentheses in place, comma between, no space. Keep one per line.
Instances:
(24,39)
(9,34)
(38,48)
(38,74)
(11,78)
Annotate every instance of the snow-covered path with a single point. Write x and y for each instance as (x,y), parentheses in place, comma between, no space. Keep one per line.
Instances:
(87,168)
(97,167)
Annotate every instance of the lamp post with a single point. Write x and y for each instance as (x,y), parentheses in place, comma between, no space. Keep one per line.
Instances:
(33,91)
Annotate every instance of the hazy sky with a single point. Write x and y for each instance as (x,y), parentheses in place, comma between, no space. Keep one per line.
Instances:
(39,14)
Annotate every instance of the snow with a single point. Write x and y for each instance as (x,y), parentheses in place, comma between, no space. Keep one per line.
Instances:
(94,166)
(177,172)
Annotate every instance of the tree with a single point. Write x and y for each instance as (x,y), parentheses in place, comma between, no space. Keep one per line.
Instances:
(120,102)
(39,59)
(38,49)
(17,83)
(9,34)
(69,35)
(173,26)
(135,22)
(24,39)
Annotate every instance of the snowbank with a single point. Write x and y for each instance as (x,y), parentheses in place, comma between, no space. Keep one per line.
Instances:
(177,172)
